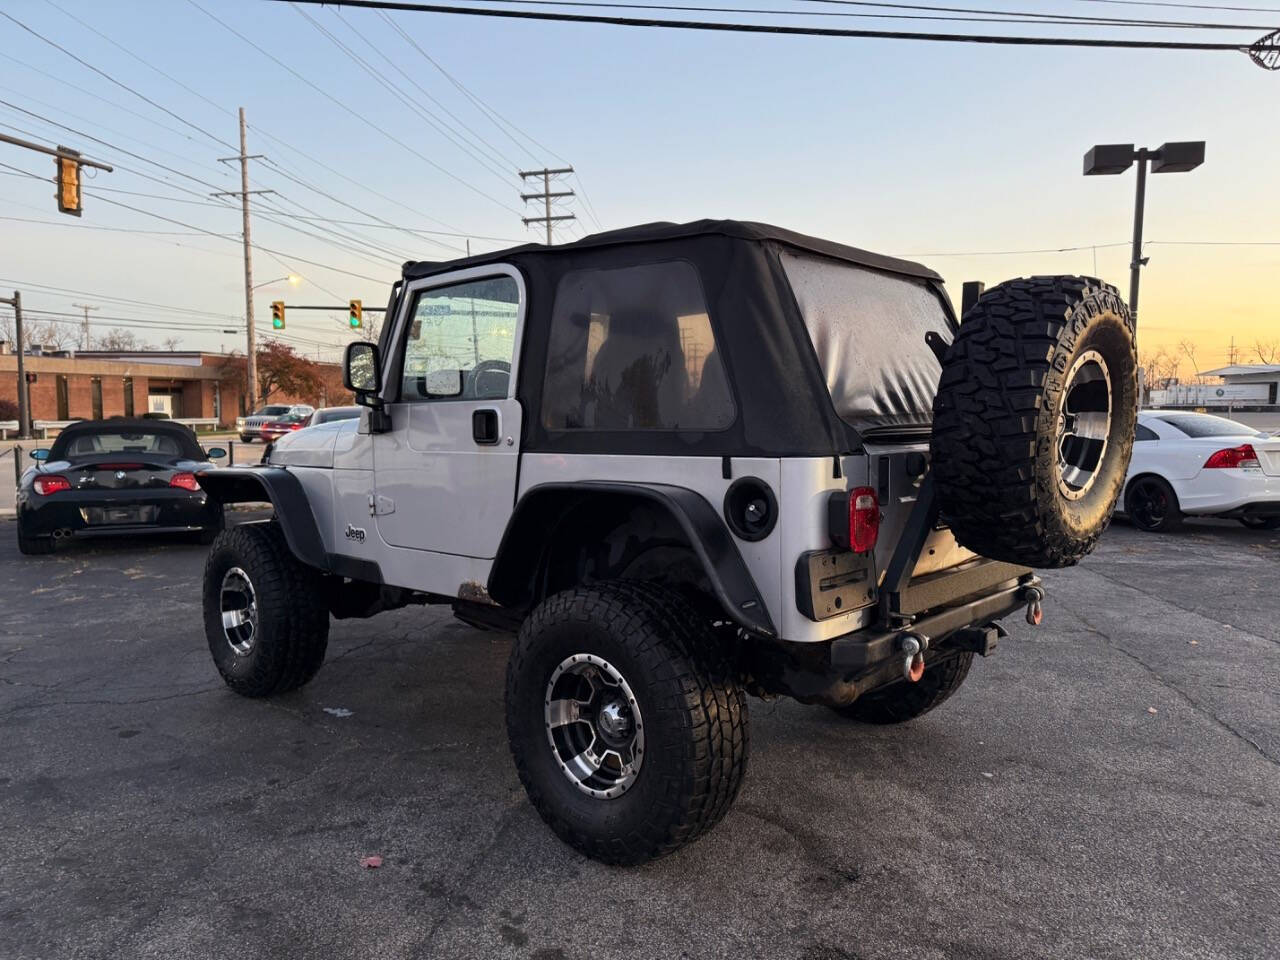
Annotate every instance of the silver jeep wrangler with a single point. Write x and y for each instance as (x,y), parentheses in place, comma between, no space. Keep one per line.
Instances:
(687,463)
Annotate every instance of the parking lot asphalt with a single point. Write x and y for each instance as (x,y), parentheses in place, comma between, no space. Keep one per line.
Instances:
(1104,786)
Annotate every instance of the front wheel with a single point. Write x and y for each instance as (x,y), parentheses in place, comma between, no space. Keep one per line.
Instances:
(265,614)
(1152,505)
(628,729)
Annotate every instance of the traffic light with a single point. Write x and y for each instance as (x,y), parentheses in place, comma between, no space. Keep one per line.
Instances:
(68,181)
(277,314)
(356,314)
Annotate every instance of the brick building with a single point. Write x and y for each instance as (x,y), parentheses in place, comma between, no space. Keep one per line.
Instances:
(183,384)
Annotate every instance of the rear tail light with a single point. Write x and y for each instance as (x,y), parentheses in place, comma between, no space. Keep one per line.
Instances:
(46,485)
(1234,457)
(853,519)
(187,481)
(296,426)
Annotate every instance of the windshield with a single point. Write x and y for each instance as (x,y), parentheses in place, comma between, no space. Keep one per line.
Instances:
(345,413)
(271,411)
(868,330)
(1204,425)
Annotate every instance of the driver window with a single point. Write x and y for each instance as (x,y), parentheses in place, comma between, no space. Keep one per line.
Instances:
(460,342)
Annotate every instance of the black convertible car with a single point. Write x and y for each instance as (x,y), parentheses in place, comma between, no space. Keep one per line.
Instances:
(118,476)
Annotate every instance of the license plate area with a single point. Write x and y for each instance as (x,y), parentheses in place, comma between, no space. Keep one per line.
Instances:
(832,582)
(118,516)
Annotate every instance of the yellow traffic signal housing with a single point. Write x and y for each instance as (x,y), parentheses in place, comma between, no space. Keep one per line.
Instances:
(277,314)
(356,314)
(68,181)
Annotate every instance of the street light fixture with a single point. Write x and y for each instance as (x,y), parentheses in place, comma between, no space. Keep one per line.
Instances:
(1111,158)
(293,278)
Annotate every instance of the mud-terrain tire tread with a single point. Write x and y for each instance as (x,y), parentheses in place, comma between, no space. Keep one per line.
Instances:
(988,432)
(293,622)
(904,701)
(678,653)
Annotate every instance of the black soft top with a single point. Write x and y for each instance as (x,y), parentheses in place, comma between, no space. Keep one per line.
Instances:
(179,433)
(783,403)
(662,231)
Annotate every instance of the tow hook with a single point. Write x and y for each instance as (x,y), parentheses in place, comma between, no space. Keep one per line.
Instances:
(1035,613)
(913,647)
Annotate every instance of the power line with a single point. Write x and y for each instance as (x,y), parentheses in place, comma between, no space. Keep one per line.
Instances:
(363,119)
(1000,39)
(124,300)
(261,132)
(107,76)
(990,16)
(493,150)
(431,119)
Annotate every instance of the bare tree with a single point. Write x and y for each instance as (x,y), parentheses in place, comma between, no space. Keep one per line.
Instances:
(1158,368)
(1268,351)
(171,343)
(1188,350)
(42,333)
(117,339)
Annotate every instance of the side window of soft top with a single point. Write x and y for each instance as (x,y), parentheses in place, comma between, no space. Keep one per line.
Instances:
(461,341)
(632,348)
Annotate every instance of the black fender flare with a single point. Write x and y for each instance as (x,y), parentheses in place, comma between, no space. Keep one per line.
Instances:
(283,491)
(530,531)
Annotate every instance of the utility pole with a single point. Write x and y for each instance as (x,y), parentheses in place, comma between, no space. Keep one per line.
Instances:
(84,332)
(546,196)
(24,393)
(251,357)
(1231,352)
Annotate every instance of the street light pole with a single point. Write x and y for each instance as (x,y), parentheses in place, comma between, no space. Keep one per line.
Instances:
(1111,158)
(1135,259)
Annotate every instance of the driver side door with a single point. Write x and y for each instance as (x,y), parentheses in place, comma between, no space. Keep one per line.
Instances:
(445,473)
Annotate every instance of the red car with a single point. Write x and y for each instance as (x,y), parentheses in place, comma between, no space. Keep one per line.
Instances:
(275,429)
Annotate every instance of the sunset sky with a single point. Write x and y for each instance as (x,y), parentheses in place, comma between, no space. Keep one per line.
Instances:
(950,154)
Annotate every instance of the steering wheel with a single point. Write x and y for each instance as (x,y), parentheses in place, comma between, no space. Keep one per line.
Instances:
(483,367)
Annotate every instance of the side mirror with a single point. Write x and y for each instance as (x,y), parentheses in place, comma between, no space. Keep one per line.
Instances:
(39,454)
(361,369)
(215,453)
(444,383)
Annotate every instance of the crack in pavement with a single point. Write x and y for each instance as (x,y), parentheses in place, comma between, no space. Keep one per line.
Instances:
(1174,688)
(1165,600)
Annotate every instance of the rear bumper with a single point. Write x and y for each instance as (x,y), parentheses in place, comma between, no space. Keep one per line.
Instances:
(857,652)
(164,510)
(1229,493)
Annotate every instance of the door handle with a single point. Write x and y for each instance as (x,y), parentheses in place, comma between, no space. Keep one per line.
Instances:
(484,426)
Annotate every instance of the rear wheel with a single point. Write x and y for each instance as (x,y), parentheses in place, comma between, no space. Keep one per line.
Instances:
(1261,523)
(903,701)
(34,546)
(266,617)
(625,721)
(1034,419)
(1152,505)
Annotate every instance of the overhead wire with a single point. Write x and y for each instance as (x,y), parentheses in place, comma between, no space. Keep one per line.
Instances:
(356,114)
(111,79)
(790,30)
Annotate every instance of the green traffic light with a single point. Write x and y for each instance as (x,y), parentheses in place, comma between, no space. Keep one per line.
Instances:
(354,320)
(277,323)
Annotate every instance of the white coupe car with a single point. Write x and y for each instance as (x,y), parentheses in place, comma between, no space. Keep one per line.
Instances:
(1194,464)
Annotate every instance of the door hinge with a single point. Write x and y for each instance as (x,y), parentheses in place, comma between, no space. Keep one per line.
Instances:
(383,506)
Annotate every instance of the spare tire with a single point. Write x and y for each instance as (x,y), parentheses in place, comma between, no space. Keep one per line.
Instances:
(1034,419)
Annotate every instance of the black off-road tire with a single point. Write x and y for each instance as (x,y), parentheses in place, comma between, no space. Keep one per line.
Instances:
(999,410)
(292,628)
(694,717)
(35,546)
(903,701)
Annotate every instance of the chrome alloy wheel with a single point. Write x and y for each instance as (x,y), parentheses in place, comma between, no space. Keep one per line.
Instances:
(1084,422)
(594,726)
(239,606)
